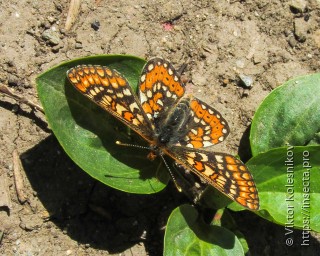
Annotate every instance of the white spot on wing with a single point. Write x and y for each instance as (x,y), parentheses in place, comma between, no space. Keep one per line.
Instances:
(120,109)
(119,95)
(143,98)
(191,154)
(207,143)
(133,106)
(219,159)
(108,98)
(220,166)
(150,67)
(140,118)
(194,131)
(190,161)
(127,92)
(208,171)
(92,92)
(159,102)
(204,157)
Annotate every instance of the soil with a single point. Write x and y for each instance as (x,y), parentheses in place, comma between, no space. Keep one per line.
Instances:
(66,212)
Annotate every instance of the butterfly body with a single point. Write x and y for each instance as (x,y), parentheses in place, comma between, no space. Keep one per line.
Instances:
(173,123)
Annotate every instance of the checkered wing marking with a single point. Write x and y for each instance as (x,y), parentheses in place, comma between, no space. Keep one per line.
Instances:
(206,126)
(160,87)
(224,172)
(111,91)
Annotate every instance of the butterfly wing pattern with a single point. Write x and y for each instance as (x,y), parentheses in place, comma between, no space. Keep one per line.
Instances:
(111,91)
(173,123)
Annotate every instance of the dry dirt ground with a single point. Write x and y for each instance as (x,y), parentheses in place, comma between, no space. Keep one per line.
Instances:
(68,213)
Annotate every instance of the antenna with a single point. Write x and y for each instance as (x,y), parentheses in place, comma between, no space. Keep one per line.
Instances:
(131,145)
(171,174)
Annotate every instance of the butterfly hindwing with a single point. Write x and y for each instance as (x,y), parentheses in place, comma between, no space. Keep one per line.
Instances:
(206,126)
(223,171)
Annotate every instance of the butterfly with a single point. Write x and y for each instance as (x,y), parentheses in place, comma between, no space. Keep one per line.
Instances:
(174,123)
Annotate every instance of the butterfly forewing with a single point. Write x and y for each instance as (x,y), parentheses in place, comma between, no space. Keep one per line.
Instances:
(159,88)
(111,91)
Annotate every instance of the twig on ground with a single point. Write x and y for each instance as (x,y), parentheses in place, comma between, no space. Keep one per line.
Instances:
(1,236)
(5,90)
(18,179)
(5,200)
(73,13)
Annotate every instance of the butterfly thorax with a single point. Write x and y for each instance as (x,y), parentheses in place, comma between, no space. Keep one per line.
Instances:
(170,127)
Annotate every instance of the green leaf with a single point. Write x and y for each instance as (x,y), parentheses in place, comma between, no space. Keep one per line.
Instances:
(88,134)
(288,115)
(228,222)
(288,182)
(186,234)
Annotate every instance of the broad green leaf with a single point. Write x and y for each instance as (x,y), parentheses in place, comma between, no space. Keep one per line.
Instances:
(88,134)
(288,182)
(288,115)
(186,234)
(228,222)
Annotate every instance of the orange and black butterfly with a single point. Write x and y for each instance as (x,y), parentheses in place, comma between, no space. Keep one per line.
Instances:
(173,123)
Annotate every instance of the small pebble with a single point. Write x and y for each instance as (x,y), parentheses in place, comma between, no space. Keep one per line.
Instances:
(51,36)
(300,30)
(240,63)
(78,45)
(95,25)
(292,41)
(247,81)
(13,80)
(298,6)
(51,19)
